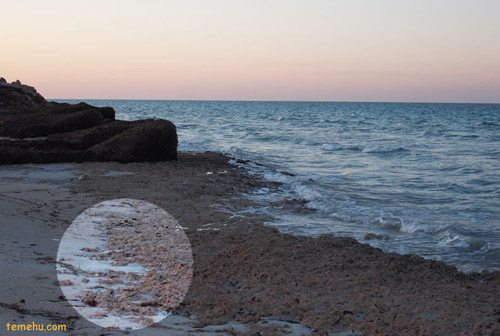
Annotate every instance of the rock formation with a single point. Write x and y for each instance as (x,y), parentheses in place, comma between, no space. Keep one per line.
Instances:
(37,131)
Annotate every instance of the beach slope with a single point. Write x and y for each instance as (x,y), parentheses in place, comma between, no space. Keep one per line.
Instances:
(248,277)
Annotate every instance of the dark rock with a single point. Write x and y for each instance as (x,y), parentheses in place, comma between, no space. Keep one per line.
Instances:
(52,118)
(83,139)
(148,140)
(107,113)
(40,124)
(371,236)
(37,131)
(17,96)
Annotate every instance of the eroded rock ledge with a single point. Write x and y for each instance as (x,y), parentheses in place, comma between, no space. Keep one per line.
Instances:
(33,130)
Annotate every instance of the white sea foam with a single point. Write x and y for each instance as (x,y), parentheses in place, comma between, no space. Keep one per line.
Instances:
(413,226)
(450,239)
(390,222)
(278,177)
(306,193)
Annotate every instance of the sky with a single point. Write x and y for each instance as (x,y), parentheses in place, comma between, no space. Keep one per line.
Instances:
(312,50)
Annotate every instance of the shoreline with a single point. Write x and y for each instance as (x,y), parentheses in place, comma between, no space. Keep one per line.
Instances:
(248,277)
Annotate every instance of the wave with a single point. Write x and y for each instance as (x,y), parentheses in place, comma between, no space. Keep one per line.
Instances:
(409,227)
(487,124)
(382,149)
(450,239)
(307,194)
(463,136)
(463,244)
(300,191)
(432,133)
(279,177)
(393,223)
(327,147)
(251,137)
(330,147)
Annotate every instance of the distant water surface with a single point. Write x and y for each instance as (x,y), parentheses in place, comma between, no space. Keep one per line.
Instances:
(424,178)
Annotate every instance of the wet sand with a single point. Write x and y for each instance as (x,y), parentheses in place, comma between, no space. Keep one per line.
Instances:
(248,278)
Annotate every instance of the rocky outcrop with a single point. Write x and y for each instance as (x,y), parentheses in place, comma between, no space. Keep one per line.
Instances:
(37,131)
(16,96)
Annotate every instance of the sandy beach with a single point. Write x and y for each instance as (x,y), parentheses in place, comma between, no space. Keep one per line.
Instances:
(248,279)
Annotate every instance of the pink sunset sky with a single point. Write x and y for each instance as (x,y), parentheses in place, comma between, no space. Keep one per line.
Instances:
(327,50)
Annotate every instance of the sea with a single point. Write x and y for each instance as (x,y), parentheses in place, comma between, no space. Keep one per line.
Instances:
(404,177)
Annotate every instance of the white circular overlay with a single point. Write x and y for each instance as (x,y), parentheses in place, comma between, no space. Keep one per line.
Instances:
(124,264)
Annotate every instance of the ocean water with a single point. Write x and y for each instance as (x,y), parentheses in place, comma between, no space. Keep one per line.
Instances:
(404,177)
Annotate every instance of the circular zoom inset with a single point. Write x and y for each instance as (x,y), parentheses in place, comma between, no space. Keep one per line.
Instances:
(124,264)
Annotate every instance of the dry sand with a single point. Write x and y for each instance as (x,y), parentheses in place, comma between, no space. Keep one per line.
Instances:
(248,278)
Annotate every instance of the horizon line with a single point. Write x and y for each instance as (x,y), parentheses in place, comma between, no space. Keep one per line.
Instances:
(278,101)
